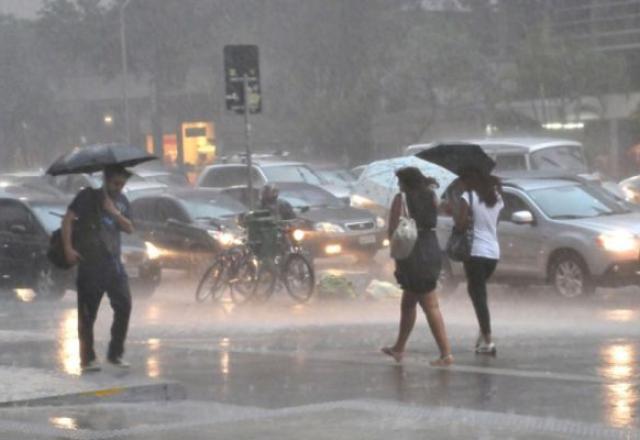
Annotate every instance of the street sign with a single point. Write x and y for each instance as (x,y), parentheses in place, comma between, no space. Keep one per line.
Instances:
(241,64)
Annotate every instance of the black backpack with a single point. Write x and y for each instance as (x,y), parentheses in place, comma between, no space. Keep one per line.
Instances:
(55,252)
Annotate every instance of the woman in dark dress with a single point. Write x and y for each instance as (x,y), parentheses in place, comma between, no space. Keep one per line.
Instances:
(418,274)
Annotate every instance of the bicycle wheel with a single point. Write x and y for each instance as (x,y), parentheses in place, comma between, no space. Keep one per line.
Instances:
(245,276)
(265,282)
(299,278)
(213,281)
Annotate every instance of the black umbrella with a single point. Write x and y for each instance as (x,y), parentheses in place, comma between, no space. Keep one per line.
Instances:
(456,157)
(96,157)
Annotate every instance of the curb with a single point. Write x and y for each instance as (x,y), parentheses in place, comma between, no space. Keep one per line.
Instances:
(164,391)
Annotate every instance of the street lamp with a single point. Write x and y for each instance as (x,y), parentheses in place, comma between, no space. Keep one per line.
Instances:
(125,69)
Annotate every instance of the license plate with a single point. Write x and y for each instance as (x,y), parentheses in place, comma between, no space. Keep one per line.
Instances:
(367,239)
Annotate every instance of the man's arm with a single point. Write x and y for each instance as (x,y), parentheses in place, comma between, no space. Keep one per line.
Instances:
(124,223)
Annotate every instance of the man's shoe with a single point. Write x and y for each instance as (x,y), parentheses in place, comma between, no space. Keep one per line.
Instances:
(118,362)
(90,366)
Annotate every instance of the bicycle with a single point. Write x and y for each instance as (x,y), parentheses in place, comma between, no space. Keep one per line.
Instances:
(234,270)
(248,272)
(290,267)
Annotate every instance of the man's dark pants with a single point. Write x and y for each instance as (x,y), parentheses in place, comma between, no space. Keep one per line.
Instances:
(95,278)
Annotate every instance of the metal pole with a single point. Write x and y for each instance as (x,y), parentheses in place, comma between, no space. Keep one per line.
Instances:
(247,130)
(125,70)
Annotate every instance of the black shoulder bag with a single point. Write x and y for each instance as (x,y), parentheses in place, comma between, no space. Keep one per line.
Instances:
(55,252)
(460,242)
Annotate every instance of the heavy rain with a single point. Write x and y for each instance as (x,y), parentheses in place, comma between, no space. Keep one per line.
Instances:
(347,219)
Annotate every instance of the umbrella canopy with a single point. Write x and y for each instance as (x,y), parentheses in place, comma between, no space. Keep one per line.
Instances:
(378,182)
(455,157)
(96,157)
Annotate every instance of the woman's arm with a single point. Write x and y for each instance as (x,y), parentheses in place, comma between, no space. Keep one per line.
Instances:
(461,215)
(394,215)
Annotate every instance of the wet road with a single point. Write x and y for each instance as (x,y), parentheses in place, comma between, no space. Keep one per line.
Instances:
(564,369)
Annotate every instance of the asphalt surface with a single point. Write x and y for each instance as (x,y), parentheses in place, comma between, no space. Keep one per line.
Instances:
(564,369)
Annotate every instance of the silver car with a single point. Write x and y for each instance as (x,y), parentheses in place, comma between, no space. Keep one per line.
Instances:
(566,232)
(517,154)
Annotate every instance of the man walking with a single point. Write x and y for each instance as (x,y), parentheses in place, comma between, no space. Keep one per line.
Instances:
(91,236)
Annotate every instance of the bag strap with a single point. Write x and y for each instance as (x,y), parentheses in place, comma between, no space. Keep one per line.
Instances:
(470,214)
(98,212)
(405,208)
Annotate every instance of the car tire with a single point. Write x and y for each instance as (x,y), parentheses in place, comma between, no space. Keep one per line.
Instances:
(48,286)
(570,276)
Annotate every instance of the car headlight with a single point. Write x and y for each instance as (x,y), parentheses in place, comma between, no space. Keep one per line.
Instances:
(224,238)
(329,227)
(619,241)
(359,201)
(629,194)
(298,235)
(152,251)
(380,223)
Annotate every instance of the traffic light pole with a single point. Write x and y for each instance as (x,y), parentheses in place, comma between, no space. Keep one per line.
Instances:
(247,131)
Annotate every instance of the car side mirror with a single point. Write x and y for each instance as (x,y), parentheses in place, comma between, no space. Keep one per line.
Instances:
(522,218)
(18,229)
(304,209)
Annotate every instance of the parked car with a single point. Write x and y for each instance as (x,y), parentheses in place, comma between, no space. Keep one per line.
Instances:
(333,228)
(188,226)
(562,231)
(27,220)
(526,153)
(235,174)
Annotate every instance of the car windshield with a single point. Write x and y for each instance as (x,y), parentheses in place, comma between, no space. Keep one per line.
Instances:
(292,173)
(50,216)
(565,157)
(310,197)
(575,201)
(219,207)
(340,177)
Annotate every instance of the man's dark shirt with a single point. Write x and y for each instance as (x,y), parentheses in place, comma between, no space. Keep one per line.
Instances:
(97,231)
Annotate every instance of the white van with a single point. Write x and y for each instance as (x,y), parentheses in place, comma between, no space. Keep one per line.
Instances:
(525,153)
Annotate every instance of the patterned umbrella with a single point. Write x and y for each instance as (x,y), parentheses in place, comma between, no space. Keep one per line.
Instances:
(379,184)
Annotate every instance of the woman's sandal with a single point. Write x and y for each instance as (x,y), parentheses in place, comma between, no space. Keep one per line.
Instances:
(444,361)
(396,355)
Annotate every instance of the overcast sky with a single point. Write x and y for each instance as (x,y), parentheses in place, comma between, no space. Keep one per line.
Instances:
(21,8)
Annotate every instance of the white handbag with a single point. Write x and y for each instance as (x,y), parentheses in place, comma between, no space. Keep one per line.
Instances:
(405,236)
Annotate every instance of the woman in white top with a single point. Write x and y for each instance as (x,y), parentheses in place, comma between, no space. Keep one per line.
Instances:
(482,203)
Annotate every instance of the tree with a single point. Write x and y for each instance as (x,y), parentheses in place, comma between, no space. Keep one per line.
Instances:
(163,40)
(553,67)
(28,122)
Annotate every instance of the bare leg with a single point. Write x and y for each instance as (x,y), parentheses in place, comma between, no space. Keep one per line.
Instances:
(431,307)
(407,321)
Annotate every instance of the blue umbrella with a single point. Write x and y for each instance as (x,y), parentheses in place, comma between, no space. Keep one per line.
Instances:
(95,158)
